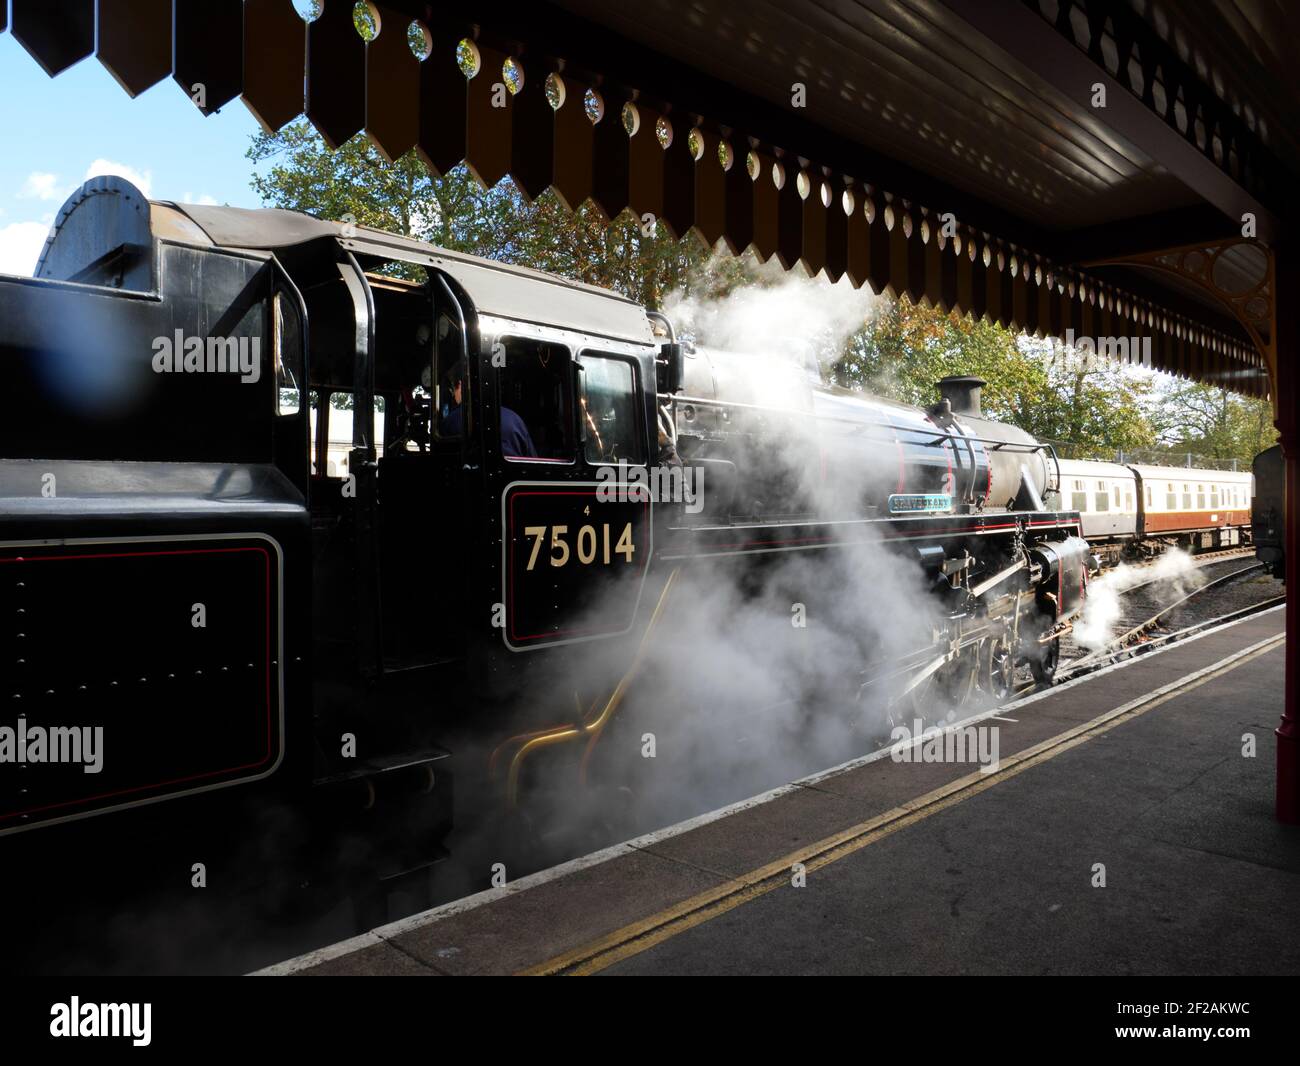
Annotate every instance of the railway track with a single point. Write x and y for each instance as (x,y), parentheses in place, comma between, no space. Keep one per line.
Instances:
(1143,637)
(1198,561)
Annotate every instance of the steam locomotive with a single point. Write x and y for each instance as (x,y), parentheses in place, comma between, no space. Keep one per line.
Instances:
(251,625)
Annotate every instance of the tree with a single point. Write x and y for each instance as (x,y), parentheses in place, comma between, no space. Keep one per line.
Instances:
(1055,394)
(355,183)
(1213,422)
(1094,406)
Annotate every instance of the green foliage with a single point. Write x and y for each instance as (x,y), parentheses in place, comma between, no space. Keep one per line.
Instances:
(1213,422)
(299,173)
(1093,405)
(364,22)
(356,183)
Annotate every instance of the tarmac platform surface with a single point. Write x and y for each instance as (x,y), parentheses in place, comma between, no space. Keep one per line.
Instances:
(1136,773)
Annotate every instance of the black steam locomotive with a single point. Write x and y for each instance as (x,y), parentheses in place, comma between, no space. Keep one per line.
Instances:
(239,617)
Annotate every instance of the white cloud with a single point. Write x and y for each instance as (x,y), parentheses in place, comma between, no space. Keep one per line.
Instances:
(142,180)
(203,199)
(41,186)
(20,246)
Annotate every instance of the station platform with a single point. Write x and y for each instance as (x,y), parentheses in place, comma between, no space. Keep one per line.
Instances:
(1136,773)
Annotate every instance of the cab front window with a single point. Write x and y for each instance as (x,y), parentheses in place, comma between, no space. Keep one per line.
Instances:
(607,410)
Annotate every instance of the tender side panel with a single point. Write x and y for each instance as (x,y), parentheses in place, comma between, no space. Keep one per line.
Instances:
(154,664)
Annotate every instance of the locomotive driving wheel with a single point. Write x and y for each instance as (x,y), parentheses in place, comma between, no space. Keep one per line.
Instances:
(949,687)
(999,670)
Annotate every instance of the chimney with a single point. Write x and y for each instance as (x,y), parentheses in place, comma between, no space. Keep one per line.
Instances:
(963,393)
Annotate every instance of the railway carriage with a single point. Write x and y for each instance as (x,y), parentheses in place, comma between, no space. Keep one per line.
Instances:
(1106,497)
(1138,510)
(1200,508)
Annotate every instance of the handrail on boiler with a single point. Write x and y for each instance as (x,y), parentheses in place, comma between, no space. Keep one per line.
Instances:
(942,436)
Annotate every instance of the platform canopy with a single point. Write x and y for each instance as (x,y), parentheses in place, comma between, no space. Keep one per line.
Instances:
(1116,169)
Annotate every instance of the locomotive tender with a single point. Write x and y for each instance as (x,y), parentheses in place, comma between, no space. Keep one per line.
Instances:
(182,566)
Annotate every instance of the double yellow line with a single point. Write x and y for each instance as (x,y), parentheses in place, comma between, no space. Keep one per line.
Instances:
(648,932)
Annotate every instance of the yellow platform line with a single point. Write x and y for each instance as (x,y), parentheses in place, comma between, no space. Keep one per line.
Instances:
(650,931)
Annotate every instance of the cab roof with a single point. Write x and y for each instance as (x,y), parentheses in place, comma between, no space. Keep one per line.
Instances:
(109,213)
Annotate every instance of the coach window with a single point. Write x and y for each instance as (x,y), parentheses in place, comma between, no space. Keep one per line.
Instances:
(1079,498)
(536,411)
(607,410)
(1149,495)
(1171,499)
(1187,496)
(1200,497)
(1214,497)
(1103,497)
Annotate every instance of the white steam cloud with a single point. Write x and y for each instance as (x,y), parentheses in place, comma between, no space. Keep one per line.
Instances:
(756,673)
(787,315)
(1103,609)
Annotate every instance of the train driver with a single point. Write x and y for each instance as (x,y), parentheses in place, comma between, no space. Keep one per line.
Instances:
(515,440)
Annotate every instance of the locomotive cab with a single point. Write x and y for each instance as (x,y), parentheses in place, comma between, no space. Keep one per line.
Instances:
(412,547)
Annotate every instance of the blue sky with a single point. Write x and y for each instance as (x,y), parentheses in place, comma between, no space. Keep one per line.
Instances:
(58,131)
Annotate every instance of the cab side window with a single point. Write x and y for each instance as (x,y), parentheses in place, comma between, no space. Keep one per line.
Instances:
(536,413)
(608,426)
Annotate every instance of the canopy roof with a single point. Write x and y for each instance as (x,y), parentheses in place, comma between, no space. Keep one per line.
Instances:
(953,150)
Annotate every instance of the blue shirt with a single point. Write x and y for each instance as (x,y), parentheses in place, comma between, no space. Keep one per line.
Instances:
(515,441)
